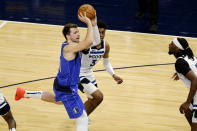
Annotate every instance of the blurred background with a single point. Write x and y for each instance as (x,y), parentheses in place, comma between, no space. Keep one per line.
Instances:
(176,17)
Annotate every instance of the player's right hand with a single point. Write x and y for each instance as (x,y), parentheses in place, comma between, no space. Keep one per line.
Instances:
(118,79)
(184,107)
(84,18)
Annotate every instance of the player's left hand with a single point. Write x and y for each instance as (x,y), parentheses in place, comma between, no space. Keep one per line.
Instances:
(175,77)
(184,107)
(118,79)
(84,18)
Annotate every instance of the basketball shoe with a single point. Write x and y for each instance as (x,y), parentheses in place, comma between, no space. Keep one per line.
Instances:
(19,93)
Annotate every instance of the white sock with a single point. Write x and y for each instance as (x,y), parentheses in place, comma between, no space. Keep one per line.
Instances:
(82,122)
(13,129)
(33,94)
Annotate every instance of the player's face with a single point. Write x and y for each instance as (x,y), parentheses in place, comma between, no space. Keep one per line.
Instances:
(74,34)
(173,49)
(102,33)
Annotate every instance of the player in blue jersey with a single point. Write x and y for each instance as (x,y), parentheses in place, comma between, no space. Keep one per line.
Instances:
(87,83)
(66,83)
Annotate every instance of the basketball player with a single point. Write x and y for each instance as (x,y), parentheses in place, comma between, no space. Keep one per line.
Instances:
(66,82)
(5,112)
(186,71)
(90,58)
(87,82)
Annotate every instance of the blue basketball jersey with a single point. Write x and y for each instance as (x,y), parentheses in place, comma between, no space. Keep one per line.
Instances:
(68,73)
(66,85)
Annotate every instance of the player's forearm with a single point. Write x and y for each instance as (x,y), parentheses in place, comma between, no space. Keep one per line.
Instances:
(89,36)
(108,66)
(97,39)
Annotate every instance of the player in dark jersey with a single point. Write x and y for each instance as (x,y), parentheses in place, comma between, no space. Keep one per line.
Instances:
(186,71)
(5,112)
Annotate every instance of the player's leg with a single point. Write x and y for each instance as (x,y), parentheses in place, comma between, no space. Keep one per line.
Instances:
(5,112)
(194,127)
(43,95)
(95,96)
(82,122)
(22,93)
(74,107)
(76,110)
(92,103)
(49,97)
(10,120)
(142,9)
(188,116)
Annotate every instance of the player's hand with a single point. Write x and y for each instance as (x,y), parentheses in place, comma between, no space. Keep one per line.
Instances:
(84,18)
(118,79)
(94,21)
(184,107)
(175,77)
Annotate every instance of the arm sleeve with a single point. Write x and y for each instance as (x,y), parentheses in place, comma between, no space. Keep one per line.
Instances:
(108,66)
(97,39)
(182,66)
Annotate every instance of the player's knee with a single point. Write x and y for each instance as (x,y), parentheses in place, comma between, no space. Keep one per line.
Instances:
(98,97)
(194,127)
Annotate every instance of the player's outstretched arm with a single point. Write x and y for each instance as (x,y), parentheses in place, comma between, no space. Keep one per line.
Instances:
(108,65)
(97,39)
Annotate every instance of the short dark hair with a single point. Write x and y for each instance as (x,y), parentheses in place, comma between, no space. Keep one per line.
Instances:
(102,24)
(187,50)
(66,29)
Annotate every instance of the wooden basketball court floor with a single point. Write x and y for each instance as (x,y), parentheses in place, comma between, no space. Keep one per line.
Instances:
(148,100)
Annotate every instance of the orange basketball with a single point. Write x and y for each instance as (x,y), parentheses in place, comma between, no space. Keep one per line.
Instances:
(90,11)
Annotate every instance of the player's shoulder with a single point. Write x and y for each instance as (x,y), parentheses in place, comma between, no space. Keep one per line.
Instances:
(181,62)
(107,44)
(69,46)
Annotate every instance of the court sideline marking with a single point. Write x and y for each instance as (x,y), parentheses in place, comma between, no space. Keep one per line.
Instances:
(2,24)
(93,71)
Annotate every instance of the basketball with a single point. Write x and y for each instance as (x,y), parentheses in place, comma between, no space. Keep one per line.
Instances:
(90,11)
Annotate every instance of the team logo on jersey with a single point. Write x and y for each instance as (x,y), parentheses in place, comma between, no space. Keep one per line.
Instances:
(75,110)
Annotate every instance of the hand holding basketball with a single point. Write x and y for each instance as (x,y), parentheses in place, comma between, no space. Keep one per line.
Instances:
(90,11)
(84,18)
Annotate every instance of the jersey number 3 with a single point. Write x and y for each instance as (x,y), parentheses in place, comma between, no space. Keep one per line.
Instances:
(93,63)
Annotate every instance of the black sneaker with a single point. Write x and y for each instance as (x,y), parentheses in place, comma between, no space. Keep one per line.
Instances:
(153,28)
